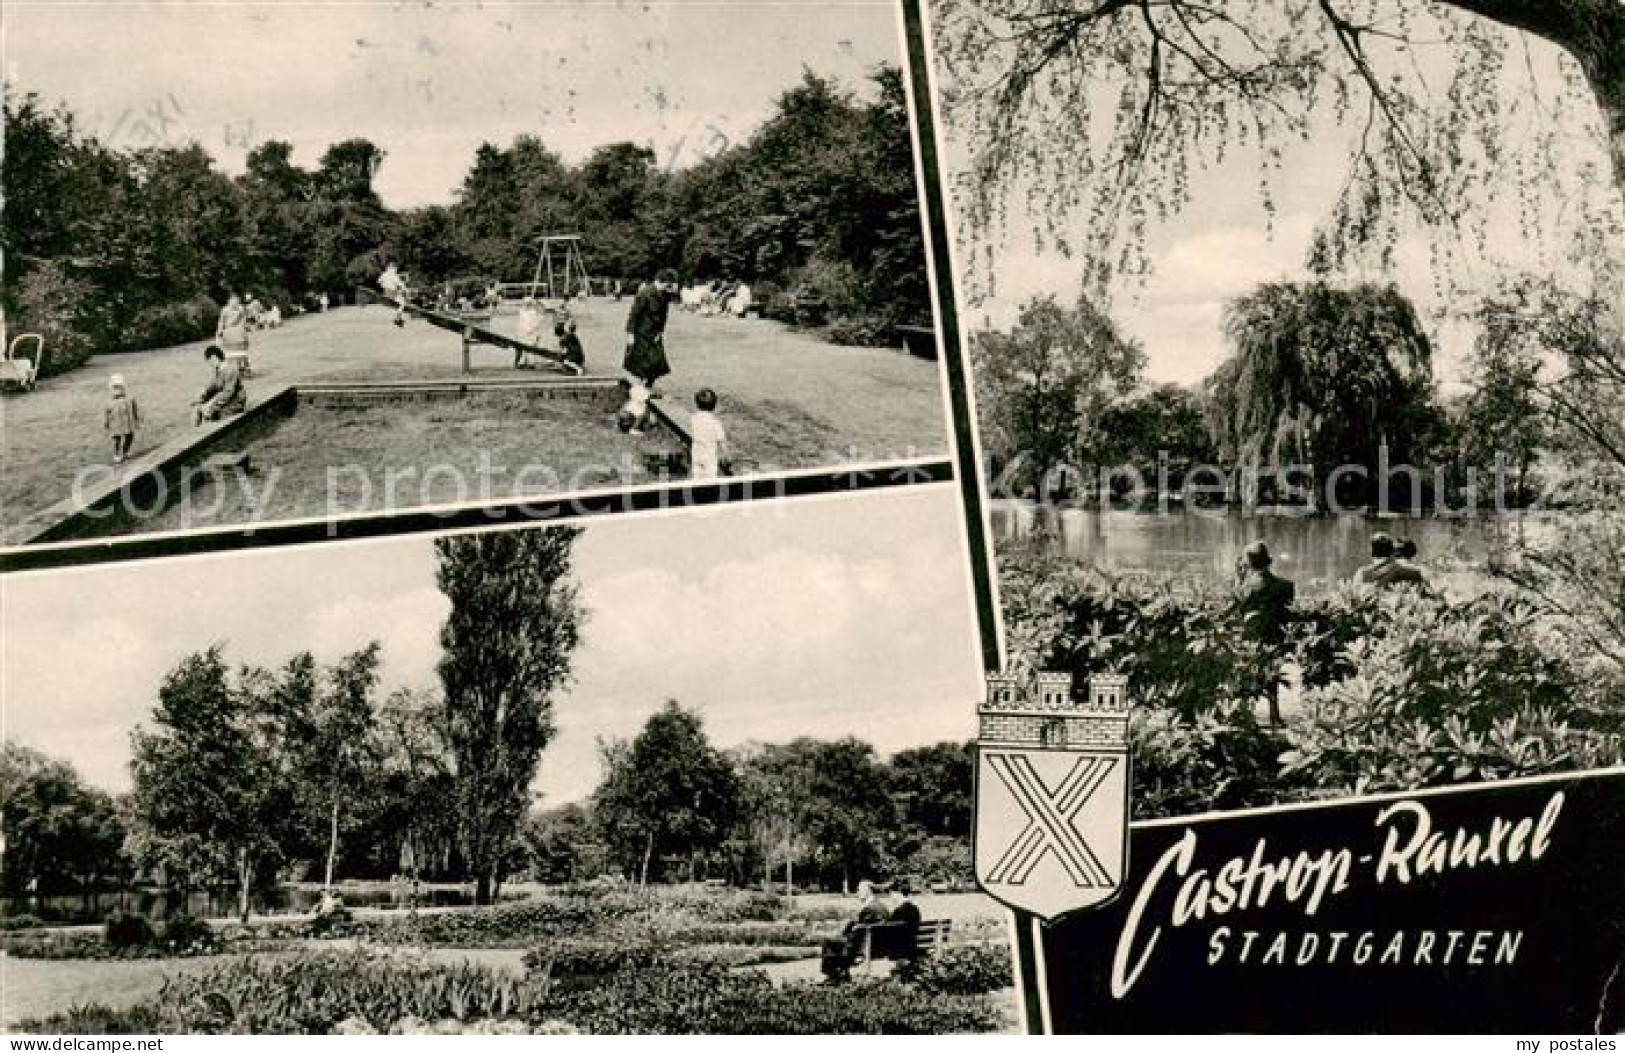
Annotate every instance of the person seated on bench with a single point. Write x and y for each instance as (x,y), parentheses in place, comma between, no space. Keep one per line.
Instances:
(225,395)
(838,955)
(902,928)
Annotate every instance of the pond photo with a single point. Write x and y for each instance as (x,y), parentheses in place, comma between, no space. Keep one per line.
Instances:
(696,772)
(1298,337)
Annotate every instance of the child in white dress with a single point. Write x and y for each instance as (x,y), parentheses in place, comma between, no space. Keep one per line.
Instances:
(709,439)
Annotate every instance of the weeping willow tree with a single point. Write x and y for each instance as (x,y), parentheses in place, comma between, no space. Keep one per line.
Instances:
(1102,118)
(1322,376)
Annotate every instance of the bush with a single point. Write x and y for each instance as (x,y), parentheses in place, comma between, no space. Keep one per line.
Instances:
(1437,693)
(578,959)
(861,332)
(1401,689)
(963,970)
(337,921)
(1215,760)
(52,304)
(17,922)
(126,931)
(60,946)
(168,324)
(574,913)
(183,934)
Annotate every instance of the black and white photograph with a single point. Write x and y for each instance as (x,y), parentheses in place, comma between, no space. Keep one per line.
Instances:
(301,261)
(1298,334)
(698,772)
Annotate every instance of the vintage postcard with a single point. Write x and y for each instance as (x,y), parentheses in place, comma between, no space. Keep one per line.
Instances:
(1298,344)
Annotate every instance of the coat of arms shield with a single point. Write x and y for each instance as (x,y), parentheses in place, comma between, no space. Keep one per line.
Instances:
(1052,777)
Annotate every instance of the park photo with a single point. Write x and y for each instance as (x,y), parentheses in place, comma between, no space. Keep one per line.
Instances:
(294,262)
(1298,337)
(700,771)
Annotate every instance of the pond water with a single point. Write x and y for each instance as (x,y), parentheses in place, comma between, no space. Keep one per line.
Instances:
(1314,551)
(286,899)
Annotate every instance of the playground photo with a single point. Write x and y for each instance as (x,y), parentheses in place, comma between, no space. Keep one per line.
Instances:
(502,254)
(702,771)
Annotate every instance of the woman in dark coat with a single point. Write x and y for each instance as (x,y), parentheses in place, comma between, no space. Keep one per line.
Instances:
(646,329)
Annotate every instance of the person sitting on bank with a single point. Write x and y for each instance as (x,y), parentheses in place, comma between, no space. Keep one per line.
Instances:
(225,395)
(1386,568)
(839,954)
(1264,602)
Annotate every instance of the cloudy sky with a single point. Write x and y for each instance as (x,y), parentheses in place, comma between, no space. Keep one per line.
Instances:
(429,82)
(827,617)
(1224,244)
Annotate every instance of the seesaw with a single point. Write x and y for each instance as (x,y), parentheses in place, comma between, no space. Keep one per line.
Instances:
(473,334)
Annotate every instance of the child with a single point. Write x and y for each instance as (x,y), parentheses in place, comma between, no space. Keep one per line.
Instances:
(530,329)
(634,412)
(710,442)
(122,417)
(575,356)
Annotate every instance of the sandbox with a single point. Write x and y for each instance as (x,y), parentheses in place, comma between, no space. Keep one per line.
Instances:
(319,451)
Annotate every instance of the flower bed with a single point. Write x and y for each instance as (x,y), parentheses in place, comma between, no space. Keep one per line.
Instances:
(363,992)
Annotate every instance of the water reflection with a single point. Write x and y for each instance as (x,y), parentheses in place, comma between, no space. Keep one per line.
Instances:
(1315,551)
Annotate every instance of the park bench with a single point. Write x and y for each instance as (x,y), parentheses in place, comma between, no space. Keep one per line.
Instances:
(22,368)
(898,942)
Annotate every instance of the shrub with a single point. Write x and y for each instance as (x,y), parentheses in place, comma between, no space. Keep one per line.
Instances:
(59,946)
(1216,760)
(172,323)
(833,282)
(769,294)
(329,923)
(52,304)
(575,913)
(1440,693)
(860,331)
(126,931)
(17,922)
(1400,689)
(184,934)
(578,959)
(962,970)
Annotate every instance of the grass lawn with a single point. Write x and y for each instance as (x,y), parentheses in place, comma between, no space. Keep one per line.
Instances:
(788,399)
(34,988)
(31,988)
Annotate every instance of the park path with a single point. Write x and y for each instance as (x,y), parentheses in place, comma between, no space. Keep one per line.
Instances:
(858,404)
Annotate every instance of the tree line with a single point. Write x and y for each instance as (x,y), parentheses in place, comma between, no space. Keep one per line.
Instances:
(1318,376)
(253,776)
(111,250)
